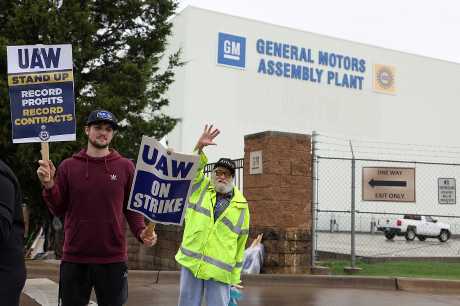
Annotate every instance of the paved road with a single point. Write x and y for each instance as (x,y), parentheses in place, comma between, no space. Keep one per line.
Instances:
(166,295)
(143,292)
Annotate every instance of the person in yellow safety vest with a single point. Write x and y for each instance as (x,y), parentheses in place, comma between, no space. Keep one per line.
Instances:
(215,234)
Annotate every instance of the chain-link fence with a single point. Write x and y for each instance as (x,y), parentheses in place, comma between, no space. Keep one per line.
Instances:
(382,209)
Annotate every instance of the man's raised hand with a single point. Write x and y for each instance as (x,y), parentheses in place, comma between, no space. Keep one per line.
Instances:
(207,138)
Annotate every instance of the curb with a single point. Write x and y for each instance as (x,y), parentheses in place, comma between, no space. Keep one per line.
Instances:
(335,281)
(426,285)
(434,286)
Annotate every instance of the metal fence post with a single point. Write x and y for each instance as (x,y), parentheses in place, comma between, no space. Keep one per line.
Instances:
(314,166)
(353,217)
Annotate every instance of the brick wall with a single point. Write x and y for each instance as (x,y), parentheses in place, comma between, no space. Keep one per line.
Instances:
(158,257)
(280,199)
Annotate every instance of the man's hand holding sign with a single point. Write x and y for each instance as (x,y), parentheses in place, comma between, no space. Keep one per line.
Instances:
(46,172)
(148,235)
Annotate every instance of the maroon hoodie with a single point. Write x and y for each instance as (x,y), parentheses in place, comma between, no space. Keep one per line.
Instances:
(92,194)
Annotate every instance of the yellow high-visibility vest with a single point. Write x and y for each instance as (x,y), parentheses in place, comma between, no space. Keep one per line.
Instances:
(214,250)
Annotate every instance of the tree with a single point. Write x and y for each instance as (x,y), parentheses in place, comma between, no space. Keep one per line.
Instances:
(117,48)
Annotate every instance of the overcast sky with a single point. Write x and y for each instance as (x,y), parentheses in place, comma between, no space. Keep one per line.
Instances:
(424,27)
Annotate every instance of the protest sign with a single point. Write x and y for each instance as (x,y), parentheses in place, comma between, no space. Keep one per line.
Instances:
(162,183)
(41,90)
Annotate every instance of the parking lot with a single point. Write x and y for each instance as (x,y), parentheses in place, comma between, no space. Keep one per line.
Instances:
(376,245)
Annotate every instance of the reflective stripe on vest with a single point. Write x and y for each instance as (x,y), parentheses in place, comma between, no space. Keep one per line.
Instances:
(199,208)
(236,229)
(207,259)
(244,232)
(196,185)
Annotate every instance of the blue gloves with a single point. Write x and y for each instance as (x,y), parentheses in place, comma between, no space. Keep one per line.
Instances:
(235,295)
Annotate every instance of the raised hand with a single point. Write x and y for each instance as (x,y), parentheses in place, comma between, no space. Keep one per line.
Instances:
(207,138)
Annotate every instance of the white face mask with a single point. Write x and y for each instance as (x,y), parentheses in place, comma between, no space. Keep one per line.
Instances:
(220,185)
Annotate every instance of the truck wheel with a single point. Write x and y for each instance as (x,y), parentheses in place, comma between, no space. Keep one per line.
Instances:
(410,234)
(444,236)
(421,238)
(390,236)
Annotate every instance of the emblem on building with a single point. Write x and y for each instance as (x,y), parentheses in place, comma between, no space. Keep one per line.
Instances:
(231,50)
(384,79)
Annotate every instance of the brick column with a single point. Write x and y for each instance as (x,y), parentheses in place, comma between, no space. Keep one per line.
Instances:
(280,199)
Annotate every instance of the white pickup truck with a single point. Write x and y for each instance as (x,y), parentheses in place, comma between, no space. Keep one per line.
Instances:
(411,226)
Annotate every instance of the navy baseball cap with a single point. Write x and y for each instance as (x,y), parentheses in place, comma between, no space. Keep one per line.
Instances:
(226,163)
(101,115)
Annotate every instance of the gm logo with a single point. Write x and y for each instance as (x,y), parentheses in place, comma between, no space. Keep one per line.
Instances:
(231,50)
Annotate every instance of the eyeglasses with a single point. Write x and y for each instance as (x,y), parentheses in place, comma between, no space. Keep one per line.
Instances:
(224,173)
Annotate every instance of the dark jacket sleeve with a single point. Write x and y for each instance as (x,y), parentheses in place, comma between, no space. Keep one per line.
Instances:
(7,202)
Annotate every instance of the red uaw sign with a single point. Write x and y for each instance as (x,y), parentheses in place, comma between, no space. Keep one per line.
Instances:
(388,184)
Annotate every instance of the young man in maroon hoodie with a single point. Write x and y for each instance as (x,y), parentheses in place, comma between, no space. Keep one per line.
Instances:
(91,190)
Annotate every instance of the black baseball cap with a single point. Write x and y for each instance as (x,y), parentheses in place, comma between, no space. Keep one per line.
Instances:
(101,115)
(226,163)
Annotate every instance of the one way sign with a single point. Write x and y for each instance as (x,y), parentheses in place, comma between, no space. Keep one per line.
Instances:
(388,184)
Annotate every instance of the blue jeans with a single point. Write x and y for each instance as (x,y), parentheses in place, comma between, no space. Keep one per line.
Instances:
(192,289)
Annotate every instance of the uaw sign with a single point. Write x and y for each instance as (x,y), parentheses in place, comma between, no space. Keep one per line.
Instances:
(388,184)
(40,80)
(162,183)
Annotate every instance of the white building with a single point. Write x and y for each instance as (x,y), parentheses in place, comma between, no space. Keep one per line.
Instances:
(247,76)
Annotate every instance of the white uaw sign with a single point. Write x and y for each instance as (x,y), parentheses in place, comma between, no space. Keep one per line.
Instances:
(388,184)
